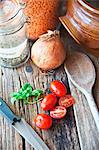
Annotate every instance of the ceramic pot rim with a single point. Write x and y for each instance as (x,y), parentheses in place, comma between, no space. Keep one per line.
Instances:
(88,6)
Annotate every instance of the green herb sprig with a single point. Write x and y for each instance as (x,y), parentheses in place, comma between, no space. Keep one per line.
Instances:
(25,93)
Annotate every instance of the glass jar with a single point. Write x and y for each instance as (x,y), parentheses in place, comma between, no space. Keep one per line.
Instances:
(14,46)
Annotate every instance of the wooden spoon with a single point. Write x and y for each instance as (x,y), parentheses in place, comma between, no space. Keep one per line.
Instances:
(81,72)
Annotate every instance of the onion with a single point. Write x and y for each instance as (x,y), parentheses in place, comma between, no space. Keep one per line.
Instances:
(48,51)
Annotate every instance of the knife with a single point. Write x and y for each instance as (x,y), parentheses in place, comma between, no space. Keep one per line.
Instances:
(21,126)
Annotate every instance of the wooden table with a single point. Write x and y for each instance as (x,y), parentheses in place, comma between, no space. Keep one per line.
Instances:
(76,131)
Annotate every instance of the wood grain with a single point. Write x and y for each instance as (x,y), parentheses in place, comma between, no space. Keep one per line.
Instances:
(88,135)
(86,127)
(63,134)
(71,45)
(81,72)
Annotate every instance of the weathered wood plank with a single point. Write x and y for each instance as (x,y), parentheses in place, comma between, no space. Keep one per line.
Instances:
(86,127)
(88,135)
(63,134)
(71,45)
(8,141)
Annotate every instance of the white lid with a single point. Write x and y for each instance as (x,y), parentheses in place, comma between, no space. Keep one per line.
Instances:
(8,10)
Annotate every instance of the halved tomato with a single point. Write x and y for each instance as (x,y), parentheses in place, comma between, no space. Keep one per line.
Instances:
(48,102)
(43,121)
(66,101)
(58,112)
(58,88)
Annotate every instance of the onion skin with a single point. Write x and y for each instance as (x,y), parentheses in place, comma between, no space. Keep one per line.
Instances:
(48,54)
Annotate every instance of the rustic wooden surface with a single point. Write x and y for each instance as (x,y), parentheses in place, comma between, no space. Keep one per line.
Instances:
(63,134)
(87,132)
(88,135)
(81,72)
(73,132)
(71,45)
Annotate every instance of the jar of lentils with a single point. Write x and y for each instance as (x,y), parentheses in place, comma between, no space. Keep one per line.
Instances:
(14,46)
(42,16)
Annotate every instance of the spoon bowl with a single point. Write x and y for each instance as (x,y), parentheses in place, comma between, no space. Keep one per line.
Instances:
(81,70)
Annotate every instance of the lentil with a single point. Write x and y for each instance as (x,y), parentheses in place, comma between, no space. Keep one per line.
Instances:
(42,16)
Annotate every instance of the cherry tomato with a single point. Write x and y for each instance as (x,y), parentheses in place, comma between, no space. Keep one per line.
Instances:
(48,102)
(58,88)
(43,121)
(58,112)
(66,101)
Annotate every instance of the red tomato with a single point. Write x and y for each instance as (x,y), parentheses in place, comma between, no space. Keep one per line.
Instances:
(58,112)
(43,121)
(48,102)
(58,88)
(66,101)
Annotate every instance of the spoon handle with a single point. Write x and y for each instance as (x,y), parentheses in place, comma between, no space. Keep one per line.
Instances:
(93,108)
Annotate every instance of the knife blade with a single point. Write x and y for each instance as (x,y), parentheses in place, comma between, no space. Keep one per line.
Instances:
(22,127)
